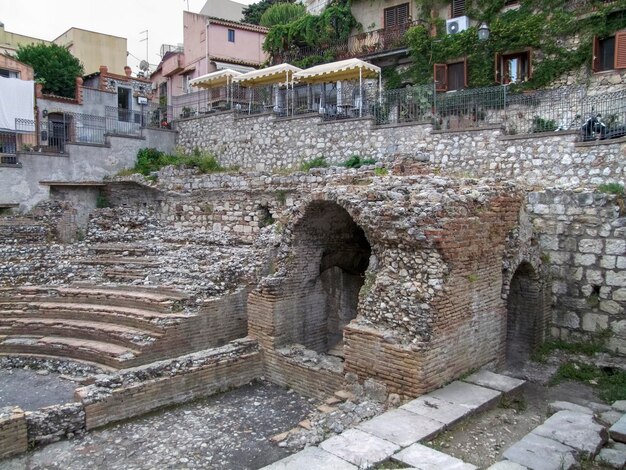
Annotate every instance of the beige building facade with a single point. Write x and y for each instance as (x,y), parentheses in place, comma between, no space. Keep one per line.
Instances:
(9,42)
(95,49)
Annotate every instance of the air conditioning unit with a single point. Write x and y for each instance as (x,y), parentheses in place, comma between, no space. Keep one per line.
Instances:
(456,25)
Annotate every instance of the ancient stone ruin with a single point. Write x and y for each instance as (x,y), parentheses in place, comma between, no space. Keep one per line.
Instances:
(194,284)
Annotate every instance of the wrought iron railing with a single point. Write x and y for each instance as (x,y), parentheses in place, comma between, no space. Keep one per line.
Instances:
(124,121)
(469,108)
(209,101)
(364,44)
(410,104)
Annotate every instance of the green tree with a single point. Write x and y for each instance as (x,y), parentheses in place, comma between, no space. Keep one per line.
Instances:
(282,13)
(252,13)
(54,66)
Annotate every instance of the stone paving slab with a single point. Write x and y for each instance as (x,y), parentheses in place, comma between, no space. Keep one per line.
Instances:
(401,427)
(312,458)
(612,458)
(619,405)
(540,453)
(557,406)
(499,382)
(360,448)
(507,465)
(576,430)
(426,458)
(439,410)
(470,396)
(618,430)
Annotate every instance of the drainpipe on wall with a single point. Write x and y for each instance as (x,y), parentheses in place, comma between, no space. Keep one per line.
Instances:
(206,44)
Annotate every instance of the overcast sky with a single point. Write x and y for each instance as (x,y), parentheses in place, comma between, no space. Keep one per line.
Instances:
(48,19)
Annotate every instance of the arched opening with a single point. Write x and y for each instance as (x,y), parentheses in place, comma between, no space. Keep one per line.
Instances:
(526,319)
(333,257)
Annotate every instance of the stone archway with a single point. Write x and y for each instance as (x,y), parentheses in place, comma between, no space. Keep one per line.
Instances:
(526,315)
(333,255)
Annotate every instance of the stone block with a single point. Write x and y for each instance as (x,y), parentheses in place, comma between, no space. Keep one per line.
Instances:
(576,430)
(311,457)
(426,458)
(619,405)
(616,278)
(609,418)
(468,395)
(359,448)
(590,245)
(615,247)
(402,427)
(618,430)
(439,410)
(506,465)
(584,260)
(557,406)
(619,295)
(539,453)
(594,321)
(612,458)
(499,382)
(611,307)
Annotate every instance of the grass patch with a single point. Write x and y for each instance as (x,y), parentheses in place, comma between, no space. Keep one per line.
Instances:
(357,162)
(150,160)
(319,162)
(588,348)
(611,383)
(517,403)
(381,171)
(611,188)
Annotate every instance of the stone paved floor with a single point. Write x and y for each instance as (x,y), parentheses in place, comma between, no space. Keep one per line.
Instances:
(31,390)
(228,431)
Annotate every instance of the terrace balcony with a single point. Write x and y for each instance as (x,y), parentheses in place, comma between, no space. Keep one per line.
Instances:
(366,45)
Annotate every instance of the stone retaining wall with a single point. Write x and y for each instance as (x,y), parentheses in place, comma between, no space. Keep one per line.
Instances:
(136,391)
(583,237)
(53,423)
(264,143)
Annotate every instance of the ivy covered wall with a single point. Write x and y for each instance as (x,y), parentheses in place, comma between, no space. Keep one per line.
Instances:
(559,34)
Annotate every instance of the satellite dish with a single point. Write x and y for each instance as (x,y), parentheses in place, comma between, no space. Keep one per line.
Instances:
(144,65)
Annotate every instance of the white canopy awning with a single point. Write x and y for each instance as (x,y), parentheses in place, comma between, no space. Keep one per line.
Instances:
(215,79)
(236,67)
(349,69)
(281,73)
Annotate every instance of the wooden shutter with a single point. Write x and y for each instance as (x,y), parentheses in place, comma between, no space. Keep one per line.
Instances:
(458,8)
(465,72)
(620,50)
(441,77)
(403,13)
(595,62)
(390,17)
(530,64)
(497,68)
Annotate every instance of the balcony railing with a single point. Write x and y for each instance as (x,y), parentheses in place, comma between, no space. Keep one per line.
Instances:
(366,44)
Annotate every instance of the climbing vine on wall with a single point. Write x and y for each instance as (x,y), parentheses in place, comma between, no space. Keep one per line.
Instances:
(333,25)
(546,27)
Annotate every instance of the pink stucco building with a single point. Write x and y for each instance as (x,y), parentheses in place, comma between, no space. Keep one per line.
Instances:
(230,44)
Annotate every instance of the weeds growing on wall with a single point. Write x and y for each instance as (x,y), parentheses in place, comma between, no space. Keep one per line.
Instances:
(319,162)
(611,383)
(357,162)
(542,27)
(150,160)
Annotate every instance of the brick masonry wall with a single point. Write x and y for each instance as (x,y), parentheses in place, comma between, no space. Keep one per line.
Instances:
(263,143)
(136,391)
(13,437)
(583,235)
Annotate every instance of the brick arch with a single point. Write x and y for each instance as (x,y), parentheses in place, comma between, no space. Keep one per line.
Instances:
(527,313)
(331,254)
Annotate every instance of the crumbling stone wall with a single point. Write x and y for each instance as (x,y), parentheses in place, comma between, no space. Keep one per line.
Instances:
(53,423)
(263,143)
(583,237)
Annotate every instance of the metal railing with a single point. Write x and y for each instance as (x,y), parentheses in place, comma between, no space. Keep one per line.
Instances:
(209,101)
(469,108)
(410,104)
(363,44)
(124,121)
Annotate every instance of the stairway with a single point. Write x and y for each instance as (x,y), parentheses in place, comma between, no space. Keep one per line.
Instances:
(112,326)
(121,262)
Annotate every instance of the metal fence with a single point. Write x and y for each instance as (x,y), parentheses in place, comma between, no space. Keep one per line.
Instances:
(124,121)
(207,101)
(410,104)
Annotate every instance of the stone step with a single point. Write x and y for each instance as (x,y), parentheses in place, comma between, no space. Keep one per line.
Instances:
(124,275)
(96,331)
(117,248)
(118,261)
(148,320)
(107,354)
(151,299)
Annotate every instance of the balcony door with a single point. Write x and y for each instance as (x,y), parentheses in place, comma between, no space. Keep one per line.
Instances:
(396,24)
